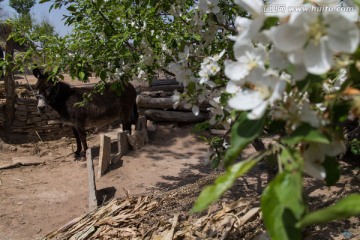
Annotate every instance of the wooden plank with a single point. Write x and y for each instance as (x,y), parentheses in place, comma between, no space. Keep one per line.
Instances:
(93,203)
(174,116)
(105,152)
(123,145)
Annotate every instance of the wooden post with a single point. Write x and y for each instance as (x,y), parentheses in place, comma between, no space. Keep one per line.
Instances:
(93,203)
(105,152)
(142,127)
(123,145)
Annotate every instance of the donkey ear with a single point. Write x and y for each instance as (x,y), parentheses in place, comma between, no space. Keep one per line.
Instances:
(37,73)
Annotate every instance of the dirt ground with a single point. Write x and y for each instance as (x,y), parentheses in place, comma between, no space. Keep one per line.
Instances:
(35,200)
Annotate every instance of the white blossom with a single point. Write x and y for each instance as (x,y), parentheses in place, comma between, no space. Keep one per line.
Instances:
(261,90)
(316,37)
(210,67)
(209,6)
(333,85)
(314,155)
(248,58)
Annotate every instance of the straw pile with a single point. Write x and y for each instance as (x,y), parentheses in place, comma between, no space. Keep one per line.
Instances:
(165,217)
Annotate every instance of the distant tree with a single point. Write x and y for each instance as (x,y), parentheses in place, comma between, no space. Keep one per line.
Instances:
(1,9)
(22,6)
(45,28)
(42,31)
(26,20)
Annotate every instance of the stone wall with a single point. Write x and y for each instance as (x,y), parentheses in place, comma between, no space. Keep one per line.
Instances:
(30,122)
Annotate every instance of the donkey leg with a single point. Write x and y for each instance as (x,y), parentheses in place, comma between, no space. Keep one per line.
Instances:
(82,135)
(78,142)
(134,115)
(132,119)
(127,126)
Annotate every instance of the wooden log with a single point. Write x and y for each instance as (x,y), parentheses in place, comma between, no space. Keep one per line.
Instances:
(93,203)
(162,82)
(104,156)
(156,94)
(167,88)
(164,103)
(123,145)
(175,116)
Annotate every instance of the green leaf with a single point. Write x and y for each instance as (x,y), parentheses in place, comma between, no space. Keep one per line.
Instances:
(81,75)
(213,192)
(357,2)
(305,133)
(332,169)
(290,159)
(243,132)
(55,70)
(346,207)
(282,206)
(99,3)
(71,8)
(269,22)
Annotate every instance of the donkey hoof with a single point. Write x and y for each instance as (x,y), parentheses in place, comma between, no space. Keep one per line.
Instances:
(79,156)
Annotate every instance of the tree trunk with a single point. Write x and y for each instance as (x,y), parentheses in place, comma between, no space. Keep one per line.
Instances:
(9,90)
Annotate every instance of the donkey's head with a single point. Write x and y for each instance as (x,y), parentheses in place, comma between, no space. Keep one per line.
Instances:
(43,89)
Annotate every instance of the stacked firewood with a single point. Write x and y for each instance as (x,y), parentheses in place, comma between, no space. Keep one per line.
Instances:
(157,104)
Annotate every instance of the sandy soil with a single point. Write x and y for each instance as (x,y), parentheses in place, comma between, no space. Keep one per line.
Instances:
(37,199)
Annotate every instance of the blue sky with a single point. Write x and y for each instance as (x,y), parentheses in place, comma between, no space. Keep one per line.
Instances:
(41,11)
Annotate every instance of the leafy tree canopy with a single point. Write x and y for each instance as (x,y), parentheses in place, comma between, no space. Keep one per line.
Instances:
(22,6)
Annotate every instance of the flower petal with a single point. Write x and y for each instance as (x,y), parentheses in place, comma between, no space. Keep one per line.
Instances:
(258,112)
(278,91)
(235,71)
(195,109)
(343,34)
(314,169)
(241,48)
(296,57)
(232,87)
(299,72)
(278,59)
(288,38)
(318,58)
(335,148)
(246,100)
